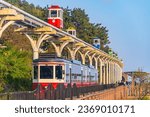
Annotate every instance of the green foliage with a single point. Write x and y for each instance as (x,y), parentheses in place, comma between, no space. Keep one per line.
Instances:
(15,70)
(78,19)
(146,98)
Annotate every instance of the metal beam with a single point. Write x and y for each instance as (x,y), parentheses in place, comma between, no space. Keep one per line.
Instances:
(8,12)
(14,18)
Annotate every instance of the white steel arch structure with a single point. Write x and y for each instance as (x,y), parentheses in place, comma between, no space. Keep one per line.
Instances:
(110,68)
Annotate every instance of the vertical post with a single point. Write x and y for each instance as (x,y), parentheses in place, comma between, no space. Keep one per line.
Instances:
(70,73)
(107,73)
(70,82)
(113,73)
(103,70)
(81,76)
(111,78)
(35,54)
(100,74)
(89,77)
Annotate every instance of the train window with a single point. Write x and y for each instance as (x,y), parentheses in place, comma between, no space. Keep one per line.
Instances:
(70,32)
(46,72)
(54,13)
(35,72)
(58,72)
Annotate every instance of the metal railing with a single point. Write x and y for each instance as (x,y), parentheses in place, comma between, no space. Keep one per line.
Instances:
(70,92)
(22,95)
(60,93)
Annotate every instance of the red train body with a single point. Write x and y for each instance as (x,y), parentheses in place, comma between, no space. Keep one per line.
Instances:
(55,16)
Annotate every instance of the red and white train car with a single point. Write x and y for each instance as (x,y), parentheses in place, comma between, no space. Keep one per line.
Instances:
(55,71)
(55,16)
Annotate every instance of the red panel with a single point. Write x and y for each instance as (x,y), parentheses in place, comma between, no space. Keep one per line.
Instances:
(56,22)
(79,84)
(54,7)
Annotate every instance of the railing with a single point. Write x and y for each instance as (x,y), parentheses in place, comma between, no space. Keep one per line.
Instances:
(22,95)
(60,93)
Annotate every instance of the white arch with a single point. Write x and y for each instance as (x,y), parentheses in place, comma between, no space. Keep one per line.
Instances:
(2,29)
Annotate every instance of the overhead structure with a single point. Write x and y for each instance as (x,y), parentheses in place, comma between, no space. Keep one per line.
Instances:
(109,67)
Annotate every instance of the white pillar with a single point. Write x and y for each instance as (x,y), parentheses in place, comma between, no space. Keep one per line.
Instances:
(113,73)
(109,73)
(101,74)
(35,54)
(106,73)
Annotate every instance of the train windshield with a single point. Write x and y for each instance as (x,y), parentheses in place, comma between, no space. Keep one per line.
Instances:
(58,72)
(46,72)
(54,13)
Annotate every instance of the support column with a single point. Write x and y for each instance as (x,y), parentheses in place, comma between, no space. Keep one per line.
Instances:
(35,54)
(107,76)
(90,59)
(60,48)
(109,73)
(103,72)
(75,50)
(111,78)
(113,73)
(96,63)
(36,44)
(116,72)
(100,74)
(120,73)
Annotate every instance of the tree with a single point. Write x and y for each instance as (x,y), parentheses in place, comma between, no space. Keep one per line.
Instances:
(142,87)
(15,70)
(86,31)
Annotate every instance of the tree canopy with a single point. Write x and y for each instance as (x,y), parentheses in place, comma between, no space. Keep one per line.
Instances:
(15,69)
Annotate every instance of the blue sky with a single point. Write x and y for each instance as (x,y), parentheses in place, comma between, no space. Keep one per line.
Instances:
(128,22)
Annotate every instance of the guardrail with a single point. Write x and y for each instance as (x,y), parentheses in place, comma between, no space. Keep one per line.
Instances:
(60,93)
(22,95)
(72,92)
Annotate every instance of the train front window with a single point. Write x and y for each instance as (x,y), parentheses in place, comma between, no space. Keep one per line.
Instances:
(35,72)
(46,72)
(58,72)
(54,13)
